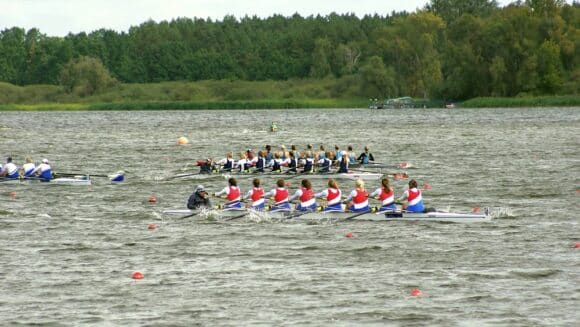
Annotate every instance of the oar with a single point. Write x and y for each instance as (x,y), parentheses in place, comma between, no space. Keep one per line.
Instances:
(356,215)
(117,177)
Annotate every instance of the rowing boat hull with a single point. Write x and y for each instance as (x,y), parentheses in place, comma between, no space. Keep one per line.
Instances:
(342,216)
(352,176)
(57,181)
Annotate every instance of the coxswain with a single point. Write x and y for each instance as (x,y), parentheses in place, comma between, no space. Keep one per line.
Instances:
(325,163)
(44,171)
(306,196)
(413,198)
(256,194)
(358,199)
(10,170)
(280,196)
(28,167)
(332,195)
(233,195)
(386,195)
(366,157)
(198,199)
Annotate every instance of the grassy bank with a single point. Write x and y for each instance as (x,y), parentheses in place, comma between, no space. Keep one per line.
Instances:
(225,94)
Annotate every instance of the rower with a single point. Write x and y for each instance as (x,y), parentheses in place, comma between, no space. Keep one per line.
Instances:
(280,194)
(260,162)
(44,171)
(358,199)
(333,196)
(198,199)
(10,170)
(350,154)
(257,195)
(243,164)
(273,127)
(413,197)
(325,163)
(275,163)
(233,195)
(386,195)
(343,164)
(291,163)
(366,157)
(268,154)
(28,167)
(322,152)
(227,163)
(306,196)
(308,163)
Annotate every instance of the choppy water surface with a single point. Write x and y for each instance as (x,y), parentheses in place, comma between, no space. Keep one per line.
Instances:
(67,253)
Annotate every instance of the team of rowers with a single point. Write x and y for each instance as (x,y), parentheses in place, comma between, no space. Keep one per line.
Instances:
(356,201)
(309,160)
(28,170)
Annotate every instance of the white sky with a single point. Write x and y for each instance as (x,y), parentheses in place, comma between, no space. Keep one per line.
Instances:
(59,17)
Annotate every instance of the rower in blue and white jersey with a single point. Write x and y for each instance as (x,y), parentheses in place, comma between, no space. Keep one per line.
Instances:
(322,153)
(351,156)
(233,195)
(268,154)
(291,163)
(243,165)
(28,168)
(275,163)
(332,195)
(44,170)
(366,157)
(308,163)
(306,196)
(280,195)
(10,170)
(343,164)
(337,154)
(260,162)
(227,164)
(325,164)
(386,195)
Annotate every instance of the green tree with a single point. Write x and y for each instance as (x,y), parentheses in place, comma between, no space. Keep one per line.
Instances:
(377,80)
(320,62)
(86,76)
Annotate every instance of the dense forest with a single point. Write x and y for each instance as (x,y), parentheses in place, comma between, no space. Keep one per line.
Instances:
(454,49)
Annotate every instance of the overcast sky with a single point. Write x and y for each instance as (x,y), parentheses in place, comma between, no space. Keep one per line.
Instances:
(59,17)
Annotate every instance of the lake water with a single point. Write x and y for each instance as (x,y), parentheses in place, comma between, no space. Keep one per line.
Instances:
(67,253)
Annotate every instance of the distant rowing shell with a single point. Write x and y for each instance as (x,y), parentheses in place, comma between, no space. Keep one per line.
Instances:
(339,216)
(74,181)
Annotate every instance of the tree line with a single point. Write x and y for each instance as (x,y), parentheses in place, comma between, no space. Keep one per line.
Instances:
(452,49)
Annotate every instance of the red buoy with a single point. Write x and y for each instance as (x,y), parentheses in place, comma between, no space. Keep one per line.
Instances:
(577,245)
(349,235)
(137,275)
(476,210)
(13,194)
(152,199)
(416,292)
(404,165)
(426,186)
(151,226)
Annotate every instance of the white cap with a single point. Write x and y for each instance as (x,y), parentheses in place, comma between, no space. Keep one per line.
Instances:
(199,188)
(45,161)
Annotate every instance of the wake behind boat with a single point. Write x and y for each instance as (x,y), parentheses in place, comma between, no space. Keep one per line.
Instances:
(437,216)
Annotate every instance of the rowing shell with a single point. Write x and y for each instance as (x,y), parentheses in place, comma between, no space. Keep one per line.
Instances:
(352,175)
(73,181)
(338,216)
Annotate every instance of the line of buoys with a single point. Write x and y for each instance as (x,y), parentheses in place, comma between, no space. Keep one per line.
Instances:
(137,275)
(416,292)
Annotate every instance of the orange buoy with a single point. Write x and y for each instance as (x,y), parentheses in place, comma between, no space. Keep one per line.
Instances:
(349,235)
(476,210)
(182,140)
(151,226)
(416,292)
(152,199)
(137,275)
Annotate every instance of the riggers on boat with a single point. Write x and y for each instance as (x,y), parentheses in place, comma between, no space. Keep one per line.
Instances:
(438,216)
(80,180)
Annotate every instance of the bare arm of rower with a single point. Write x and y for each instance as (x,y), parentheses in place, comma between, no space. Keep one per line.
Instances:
(322,194)
(223,191)
(295,195)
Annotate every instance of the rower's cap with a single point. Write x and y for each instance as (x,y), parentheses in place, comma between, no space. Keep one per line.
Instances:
(45,160)
(199,188)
